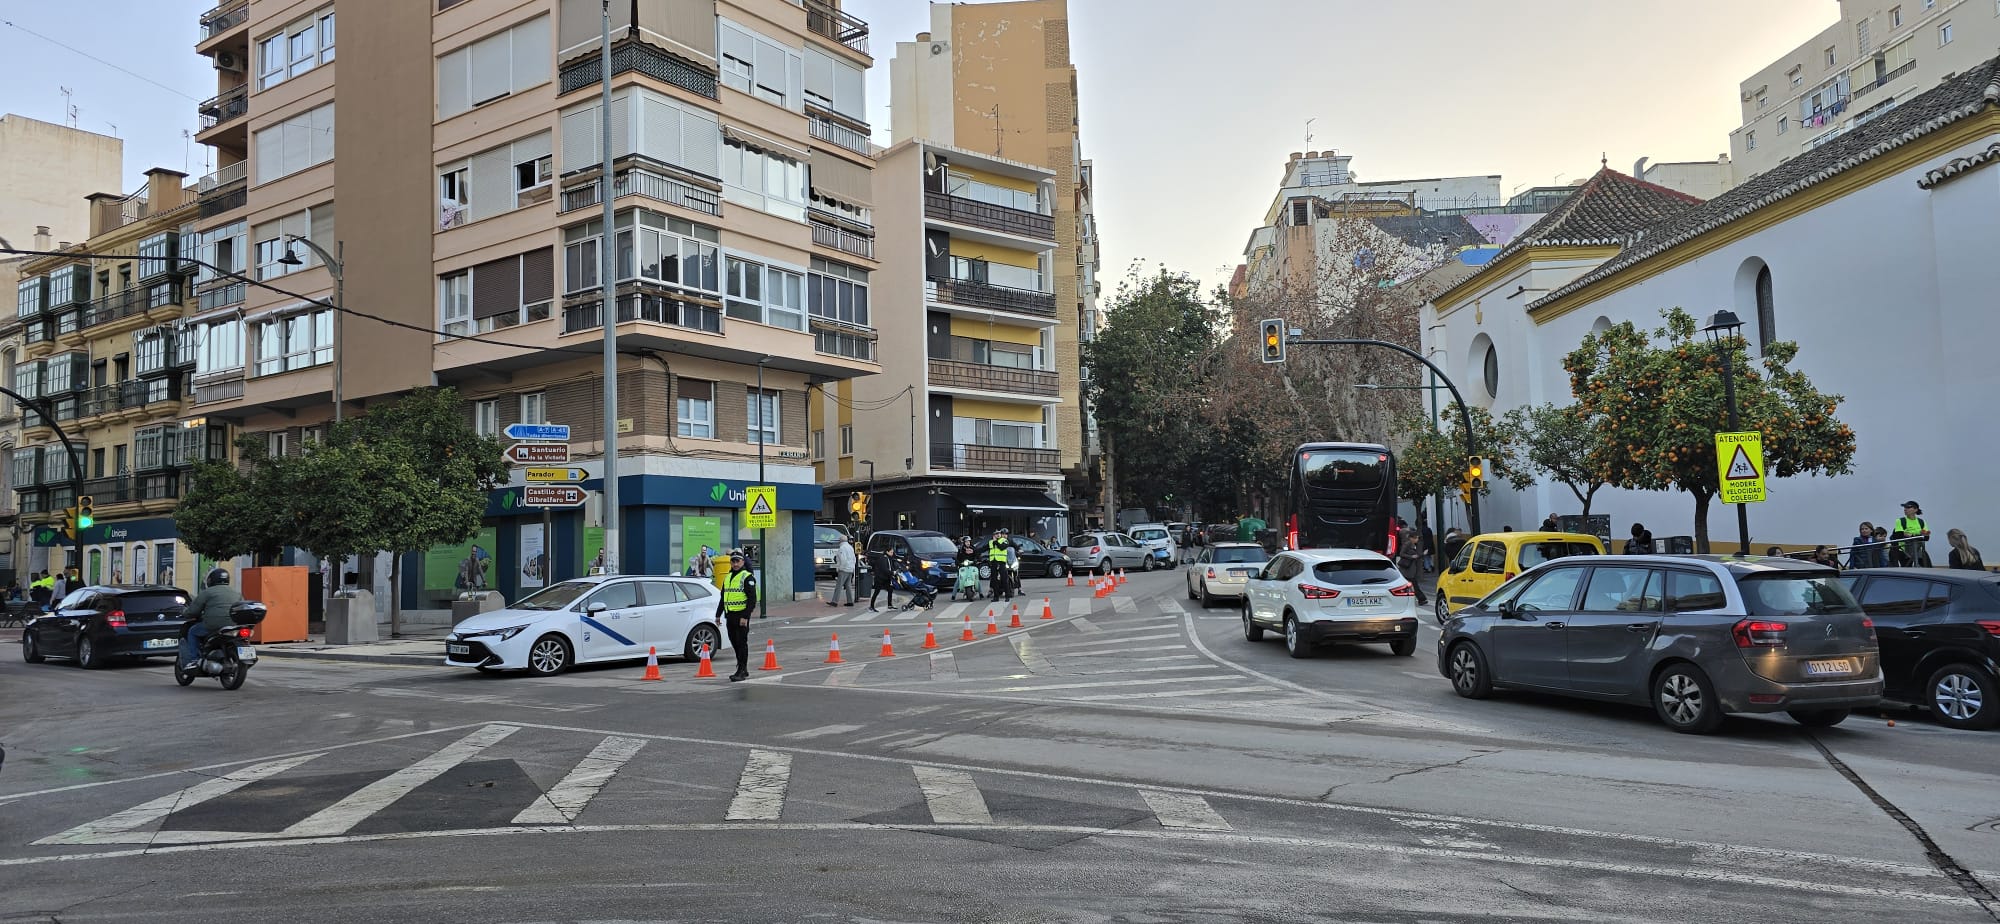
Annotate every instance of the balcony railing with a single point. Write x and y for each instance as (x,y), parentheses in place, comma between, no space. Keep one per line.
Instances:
(824,18)
(841,239)
(222,294)
(229,104)
(107,398)
(226,199)
(128,489)
(1012,460)
(657,307)
(227,176)
(952,373)
(835,337)
(639,181)
(996,298)
(848,137)
(987,215)
(219,387)
(632,55)
(227,15)
(127,303)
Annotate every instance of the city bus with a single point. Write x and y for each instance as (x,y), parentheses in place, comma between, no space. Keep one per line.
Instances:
(1342,496)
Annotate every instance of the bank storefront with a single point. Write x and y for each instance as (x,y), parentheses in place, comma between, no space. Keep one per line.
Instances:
(142,551)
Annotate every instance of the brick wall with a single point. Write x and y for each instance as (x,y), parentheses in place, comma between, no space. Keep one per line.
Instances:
(732,411)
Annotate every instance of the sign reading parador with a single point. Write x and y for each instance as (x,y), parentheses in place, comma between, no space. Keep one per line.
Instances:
(1739,461)
(760,507)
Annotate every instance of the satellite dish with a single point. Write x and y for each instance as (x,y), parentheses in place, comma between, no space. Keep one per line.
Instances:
(933,245)
(937,48)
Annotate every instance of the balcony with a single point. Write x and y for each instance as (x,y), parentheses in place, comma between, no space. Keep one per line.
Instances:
(1009,460)
(224,199)
(826,19)
(830,235)
(230,104)
(951,373)
(134,489)
(840,133)
(221,293)
(632,55)
(227,15)
(986,215)
(136,302)
(224,386)
(835,337)
(994,298)
(231,175)
(654,306)
(652,184)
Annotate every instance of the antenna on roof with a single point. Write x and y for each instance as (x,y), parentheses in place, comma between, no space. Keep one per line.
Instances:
(1309,130)
(69,105)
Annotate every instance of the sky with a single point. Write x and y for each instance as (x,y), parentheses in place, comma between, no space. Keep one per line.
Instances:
(1188,108)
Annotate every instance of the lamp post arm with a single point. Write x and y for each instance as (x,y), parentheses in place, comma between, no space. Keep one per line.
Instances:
(47,411)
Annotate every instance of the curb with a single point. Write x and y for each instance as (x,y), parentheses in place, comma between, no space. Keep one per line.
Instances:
(357,658)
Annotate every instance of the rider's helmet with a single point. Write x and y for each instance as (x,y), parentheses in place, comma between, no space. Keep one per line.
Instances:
(218,576)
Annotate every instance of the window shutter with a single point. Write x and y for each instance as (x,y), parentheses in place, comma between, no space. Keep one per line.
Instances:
(538,276)
(701,142)
(531,147)
(697,390)
(492,183)
(491,70)
(660,130)
(579,140)
(842,180)
(295,145)
(850,96)
(819,74)
(621,123)
(496,288)
(321,122)
(770,65)
(454,83)
(322,225)
(531,53)
(270,153)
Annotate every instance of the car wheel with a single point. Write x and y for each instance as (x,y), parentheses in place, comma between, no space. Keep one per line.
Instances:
(1962,696)
(31,648)
(1058,570)
(1818,718)
(86,654)
(549,656)
(1685,700)
(1191,594)
(1443,609)
(1295,641)
(1403,647)
(1467,668)
(1207,599)
(1148,563)
(703,634)
(1252,632)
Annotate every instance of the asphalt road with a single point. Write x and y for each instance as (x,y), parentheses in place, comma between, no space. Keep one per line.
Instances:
(1129,759)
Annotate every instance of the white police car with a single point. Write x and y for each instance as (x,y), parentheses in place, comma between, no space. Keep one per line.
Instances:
(589,620)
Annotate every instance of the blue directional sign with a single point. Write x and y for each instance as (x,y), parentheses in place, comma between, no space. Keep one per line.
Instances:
(523,431)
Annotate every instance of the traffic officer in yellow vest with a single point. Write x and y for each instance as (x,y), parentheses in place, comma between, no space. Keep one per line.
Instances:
(1911,526)
(996,561)
(739,600)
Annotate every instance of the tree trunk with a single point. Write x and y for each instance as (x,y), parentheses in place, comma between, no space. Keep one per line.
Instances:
(1701,499)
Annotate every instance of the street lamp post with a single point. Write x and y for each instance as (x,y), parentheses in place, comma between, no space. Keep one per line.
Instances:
(338,268)
(763,547)
(1723,329)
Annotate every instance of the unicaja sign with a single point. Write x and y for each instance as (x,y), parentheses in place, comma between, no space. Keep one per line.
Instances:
(721,492)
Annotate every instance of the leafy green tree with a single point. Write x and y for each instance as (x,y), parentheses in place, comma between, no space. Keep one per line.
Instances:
(1148,370)
(1657,407)
(242,509)
(1432,459)
(1558,443)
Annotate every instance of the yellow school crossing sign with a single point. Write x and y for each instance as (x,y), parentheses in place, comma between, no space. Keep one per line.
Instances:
(1739,462)
(760,507)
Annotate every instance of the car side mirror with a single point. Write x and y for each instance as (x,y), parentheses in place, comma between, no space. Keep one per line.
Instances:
(596,608)
(1510,610)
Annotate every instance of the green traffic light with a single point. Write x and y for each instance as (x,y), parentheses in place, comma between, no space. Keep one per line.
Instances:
(83,520)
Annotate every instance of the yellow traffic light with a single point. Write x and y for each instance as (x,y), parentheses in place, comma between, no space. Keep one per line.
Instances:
(857,504)
(86,512)
(1274,339)
(69,523)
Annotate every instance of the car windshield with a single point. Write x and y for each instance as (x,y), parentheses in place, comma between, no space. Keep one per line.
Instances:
(1534,553)
(1149,535)
(827,535)
(555,596)
(151,602)
(1241,556)
(1357,571)
(932,548)
(1798,595)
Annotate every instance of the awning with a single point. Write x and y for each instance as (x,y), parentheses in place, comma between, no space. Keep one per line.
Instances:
(1006,500)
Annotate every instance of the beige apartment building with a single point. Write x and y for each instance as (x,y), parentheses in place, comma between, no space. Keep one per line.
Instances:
(469,227)
(1879,53)
(46,170)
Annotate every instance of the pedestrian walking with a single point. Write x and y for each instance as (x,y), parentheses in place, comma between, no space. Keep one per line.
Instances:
(1915,536)
(884,572)
(843,575)
(60,588)
(739,600)
(1963,556)
(1409,560)
(1641,542)
(1429,542)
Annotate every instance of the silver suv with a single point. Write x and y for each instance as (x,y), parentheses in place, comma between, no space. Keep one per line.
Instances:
(1159,543)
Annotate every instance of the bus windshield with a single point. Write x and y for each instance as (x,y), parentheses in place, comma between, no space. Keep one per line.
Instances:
(1343,496)
(1342,469)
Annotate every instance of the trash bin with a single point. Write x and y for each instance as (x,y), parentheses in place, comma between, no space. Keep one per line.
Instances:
(350,618)
(474,602)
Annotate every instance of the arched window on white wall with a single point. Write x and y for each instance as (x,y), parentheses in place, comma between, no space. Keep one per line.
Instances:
(1754,300)
(1600,325)
(1483,366)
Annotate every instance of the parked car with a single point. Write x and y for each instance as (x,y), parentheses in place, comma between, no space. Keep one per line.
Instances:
(1100,551)
(1316,596)
(1695,637)
(827,538)
(94,625)
(1489,560)
(1222,570)
(935,553)
(588,620)
(1939,631)
(1037,559)
(1159,542)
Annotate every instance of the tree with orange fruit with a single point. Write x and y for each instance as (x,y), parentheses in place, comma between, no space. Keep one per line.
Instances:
(1657,402)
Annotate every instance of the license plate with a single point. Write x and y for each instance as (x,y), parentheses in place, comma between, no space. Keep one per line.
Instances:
(1831,668)
(159,643)
(458,649)
(1242,572)
(1365,601)
(246,653)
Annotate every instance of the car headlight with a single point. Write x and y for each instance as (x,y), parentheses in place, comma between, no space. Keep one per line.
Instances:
(502,634)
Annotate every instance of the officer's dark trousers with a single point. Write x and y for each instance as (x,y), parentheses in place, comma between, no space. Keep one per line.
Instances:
(739,639)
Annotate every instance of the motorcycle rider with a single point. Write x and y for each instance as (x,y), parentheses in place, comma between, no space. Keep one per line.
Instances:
(211,606)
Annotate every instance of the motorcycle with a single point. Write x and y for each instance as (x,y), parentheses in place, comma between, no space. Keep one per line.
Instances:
(225,653)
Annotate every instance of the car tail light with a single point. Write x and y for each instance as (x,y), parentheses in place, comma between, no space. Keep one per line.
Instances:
(1211,572)
(1507,576)
(1292,532)
(115,619)
(1758,633)
(1767,699)
(1096,549)
(1316,592)
(1403,590)
(1992,627)
(1392,540)
(1868,624)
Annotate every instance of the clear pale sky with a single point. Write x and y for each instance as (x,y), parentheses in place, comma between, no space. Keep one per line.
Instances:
(1189,108)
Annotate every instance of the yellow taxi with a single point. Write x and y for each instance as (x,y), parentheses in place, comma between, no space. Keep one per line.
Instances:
(1489,560)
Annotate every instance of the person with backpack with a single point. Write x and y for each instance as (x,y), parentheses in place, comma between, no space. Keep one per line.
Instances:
(1914,548)
(1641,542)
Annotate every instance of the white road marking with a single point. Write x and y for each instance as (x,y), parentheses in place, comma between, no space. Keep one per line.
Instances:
(843,676)
(563,804)
(1101,651)
(952,613)
(1446,834)
(1154,669)
(819,620)
(1080,606)
(1124,605)
(1170,694)
(1083,624)
(342,816)
(1031,656)
(943,666)
(865,616)
(1070,646)
(1172,607)
(822,731)
(123,827)
(1180,810)
(760,795)
(954,798)
(1105,683)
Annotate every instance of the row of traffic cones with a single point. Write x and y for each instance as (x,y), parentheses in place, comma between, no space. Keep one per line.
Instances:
(1108,585)
(707,669)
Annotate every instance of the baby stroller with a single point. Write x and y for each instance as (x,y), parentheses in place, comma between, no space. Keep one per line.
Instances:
(921,593)
(968,581)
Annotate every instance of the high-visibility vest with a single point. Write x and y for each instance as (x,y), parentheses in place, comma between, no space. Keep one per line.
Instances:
(996,551)
(1912,527)
(734,598)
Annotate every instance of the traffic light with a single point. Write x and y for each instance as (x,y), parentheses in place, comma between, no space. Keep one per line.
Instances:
(86,513)
(1471,482)
(1273,339)
(857,504)
(69,523)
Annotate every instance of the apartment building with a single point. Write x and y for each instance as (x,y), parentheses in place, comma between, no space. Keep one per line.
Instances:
(996,79)
(1881,52)
(45,174)
(103,344)
(470,143)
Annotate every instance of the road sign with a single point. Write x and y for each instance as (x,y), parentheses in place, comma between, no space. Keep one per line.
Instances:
(552,495)
(538,453)
(523,431)
(1739,461)
(554,475)
(760,507)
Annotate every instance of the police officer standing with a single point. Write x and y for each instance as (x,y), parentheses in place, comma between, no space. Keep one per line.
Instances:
(739,600)
(996,559)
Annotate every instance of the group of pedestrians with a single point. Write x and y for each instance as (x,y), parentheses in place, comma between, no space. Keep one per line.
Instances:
(1905,544)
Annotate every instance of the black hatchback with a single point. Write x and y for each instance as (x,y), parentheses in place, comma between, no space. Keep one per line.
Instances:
(1940,636)
(95,624)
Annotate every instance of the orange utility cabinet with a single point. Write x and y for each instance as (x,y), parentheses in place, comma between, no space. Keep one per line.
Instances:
(283,592)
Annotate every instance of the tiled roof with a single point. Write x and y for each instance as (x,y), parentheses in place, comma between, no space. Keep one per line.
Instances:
(1606,209)
(1963,96)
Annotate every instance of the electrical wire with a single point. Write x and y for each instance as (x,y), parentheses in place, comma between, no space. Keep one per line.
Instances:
(97,59)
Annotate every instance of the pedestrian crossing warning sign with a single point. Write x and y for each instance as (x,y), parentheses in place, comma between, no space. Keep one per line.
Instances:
(1739,458)
(760,507)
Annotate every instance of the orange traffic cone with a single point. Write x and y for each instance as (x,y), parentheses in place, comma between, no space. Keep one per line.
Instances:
(930,636)
(968,636)
(1121,577)
(770,655)
(1071,579)
(992,624)
(707,669)
(652,665)
(833,653)
(1047,613)
(1014,616)
(888,648)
